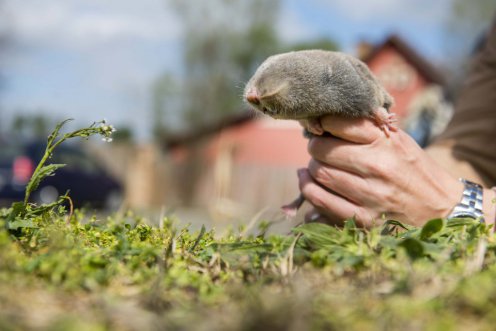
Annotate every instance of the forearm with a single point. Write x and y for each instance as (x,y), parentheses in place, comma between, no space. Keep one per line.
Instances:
(442,154)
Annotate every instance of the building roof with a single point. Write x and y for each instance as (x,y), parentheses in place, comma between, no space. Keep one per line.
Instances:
(192,136)
(425,68)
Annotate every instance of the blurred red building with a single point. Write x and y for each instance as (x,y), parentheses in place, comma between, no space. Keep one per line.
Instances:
(405,74)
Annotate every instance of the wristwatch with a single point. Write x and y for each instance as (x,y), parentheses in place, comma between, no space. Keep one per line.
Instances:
(470,205)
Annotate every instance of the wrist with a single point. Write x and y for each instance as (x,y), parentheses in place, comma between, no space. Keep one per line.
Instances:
(475,202)
(489,206)
(471,202)
(453,194)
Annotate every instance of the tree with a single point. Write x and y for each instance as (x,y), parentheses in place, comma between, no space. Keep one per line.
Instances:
(224,40)
(166,106)
(124,134)
(320,43)
(32,126)
(467,20)
(464,30)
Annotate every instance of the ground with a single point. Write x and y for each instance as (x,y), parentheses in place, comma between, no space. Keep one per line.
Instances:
(80,272)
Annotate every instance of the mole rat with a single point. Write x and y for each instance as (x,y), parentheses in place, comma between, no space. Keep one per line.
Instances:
(306,85)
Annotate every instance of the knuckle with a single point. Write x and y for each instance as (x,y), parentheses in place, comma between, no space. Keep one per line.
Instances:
(389,197)
(311,146)
(317,202)
(361,215)
(364,217)
(393,199)
(377,169)
(320,173)
(314,197)
(314,147)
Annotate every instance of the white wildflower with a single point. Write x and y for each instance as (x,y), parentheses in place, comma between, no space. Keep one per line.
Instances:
(106,130)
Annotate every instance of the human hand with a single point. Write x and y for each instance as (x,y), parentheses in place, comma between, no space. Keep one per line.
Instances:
(360,172)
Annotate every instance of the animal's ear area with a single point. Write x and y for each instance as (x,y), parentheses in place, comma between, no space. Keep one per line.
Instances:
(327,76)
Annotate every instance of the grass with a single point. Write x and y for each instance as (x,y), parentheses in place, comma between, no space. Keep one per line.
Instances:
(122,274)
(64,270)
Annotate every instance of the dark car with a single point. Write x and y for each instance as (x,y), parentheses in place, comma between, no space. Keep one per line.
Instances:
(86,181)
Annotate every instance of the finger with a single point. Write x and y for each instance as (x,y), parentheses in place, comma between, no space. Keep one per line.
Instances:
(352,187)
(368,195)
(374,197)
(357,130)
(334,206)
(340,154)
(378,159)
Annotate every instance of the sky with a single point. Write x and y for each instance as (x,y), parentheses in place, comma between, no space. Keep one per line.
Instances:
(94,59)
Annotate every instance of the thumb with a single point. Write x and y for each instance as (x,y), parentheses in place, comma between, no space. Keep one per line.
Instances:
(357,130)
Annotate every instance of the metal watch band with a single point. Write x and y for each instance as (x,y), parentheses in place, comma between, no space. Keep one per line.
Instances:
(470,205)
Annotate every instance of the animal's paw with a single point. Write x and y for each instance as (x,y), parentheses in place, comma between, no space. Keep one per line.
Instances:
(386,121)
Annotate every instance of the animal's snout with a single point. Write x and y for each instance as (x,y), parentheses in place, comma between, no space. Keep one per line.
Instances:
(252,97)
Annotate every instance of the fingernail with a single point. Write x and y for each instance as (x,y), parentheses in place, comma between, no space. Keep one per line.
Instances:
(314,217)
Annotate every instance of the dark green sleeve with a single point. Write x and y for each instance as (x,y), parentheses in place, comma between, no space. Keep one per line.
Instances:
(471,134)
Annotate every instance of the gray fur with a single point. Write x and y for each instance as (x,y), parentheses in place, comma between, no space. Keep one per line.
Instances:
(313,83)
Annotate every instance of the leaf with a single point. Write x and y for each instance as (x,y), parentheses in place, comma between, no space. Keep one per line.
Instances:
(21,223)
(44,208)
(241,246)
(48,170)
(197,241)
(432,227)
(55,132)
(433,250)
(390,227)
(321,235)
(461,221)
(349,225)
(17,209)
(413,247)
